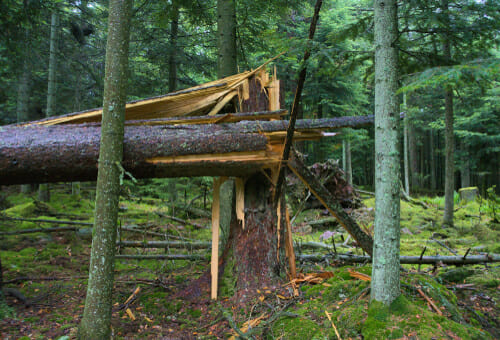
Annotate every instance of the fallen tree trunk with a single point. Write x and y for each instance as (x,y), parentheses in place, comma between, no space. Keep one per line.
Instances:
(164,244)
(451,260)
(39,230)
(163,257)
(364,240)
(37,154)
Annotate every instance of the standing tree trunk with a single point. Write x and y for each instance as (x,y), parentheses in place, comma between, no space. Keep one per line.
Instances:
(43,190)
(226,66)
(172,84)
(23,95)
(385,272)
(449,182)
(96,321)
(432,156)
(413,158)
(465,181)
(226,38)
(348,162)
(405,147)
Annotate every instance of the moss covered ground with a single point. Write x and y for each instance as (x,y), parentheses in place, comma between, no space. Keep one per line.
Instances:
(50,271)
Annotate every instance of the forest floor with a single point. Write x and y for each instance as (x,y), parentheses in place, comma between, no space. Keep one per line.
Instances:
(50,271)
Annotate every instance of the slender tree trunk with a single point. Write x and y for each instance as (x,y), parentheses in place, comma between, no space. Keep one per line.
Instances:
(172,83)
(43,190)
(226,66)
(465,169)
(226,42)
(405,147)
(449,183)
(23,95)
(80,54)
(413,158)
(348,162)
(96,321)
(432,156)
(385,272)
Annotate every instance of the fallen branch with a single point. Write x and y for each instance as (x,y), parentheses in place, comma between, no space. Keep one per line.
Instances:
(164,244)
(444,246)
(429,301)
(6,218)
(364,240)
(39,230)
(451,260)
(193,210)
(163,257)
(180,220)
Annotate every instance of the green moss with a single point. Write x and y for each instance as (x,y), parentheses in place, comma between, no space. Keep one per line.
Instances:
(227,283)
(456,274)
(403,317)
(195,313)
(21,210)
(297,329)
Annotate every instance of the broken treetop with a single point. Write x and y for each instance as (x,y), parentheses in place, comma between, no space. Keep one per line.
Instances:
(164,137)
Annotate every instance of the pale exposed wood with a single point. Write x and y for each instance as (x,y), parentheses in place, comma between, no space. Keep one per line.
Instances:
(248,156)
(214,264)
(240,201)
(278,228)
(222,102)
(289,246)
(274,92)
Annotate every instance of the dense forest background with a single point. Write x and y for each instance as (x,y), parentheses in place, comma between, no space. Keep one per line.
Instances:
(173,46)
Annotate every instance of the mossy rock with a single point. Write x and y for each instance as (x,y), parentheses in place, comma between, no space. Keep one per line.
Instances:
(297,329)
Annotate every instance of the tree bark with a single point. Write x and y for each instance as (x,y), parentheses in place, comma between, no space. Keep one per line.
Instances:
(226,65)
(258,261)
(43,189)
(23,95)
(226,38)
(385,271)
(96,321)
(348,163)
(405,148)
(37,154)
(449,182)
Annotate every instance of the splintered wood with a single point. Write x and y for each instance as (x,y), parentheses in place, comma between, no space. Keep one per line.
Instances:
(214,269)
(240,201)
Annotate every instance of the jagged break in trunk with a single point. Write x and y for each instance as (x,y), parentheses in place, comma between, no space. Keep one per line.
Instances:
(257,259)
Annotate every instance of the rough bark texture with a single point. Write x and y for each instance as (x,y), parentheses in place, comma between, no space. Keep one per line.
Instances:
(96,321)
(23,90)
(385,272)
(258,261)
(326,198)
(36,154)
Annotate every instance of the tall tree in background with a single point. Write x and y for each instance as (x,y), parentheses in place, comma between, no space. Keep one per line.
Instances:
(96,321)
(23,92)
(385,272)
(43,190)
(226,66)
(226,38)
(449,180)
